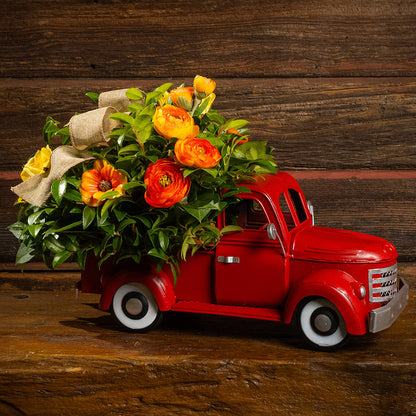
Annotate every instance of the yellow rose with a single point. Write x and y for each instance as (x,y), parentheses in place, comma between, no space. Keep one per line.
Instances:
(37,164)
(171,121)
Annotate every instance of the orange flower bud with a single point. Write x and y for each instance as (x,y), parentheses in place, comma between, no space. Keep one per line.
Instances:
(182,97)
(197,153)
(204,86)
(97,181)
(244,139)
(171,121)
(165,184)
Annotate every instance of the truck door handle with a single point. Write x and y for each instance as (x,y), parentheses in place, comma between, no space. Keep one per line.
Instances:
(228,259)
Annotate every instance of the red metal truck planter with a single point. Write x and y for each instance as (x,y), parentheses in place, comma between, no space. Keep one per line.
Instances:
(281,267)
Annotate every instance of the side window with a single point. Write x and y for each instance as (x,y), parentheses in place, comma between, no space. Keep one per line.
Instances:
(287,215)
(248,214)
(297,203)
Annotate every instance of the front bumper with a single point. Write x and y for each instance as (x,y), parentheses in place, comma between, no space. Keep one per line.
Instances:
(382,318)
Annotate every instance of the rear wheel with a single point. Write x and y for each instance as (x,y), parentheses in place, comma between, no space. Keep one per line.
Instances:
(321,324)
(135,308)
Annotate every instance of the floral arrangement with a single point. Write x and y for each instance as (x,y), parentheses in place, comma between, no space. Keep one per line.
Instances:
(143,175)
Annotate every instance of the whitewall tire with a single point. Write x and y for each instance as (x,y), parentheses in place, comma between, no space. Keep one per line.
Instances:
(135,308)
(321,324)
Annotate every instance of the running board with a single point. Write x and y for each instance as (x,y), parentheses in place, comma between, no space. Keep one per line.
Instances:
(268,314)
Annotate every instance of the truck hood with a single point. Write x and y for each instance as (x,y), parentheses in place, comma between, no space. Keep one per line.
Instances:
(340,246)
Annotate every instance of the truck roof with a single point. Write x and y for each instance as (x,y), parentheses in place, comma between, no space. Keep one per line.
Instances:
(273,185)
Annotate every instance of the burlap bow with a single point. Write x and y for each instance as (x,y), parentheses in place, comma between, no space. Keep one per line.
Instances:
(86,130)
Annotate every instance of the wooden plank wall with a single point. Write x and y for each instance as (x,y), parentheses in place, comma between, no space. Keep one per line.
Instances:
(330,84)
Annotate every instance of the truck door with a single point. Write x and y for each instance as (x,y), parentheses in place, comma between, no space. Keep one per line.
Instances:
(249,267)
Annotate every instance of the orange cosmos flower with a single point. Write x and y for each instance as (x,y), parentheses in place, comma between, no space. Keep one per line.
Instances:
(171,121)
(203,86)
(197,153)
(182,97)
(165,184)
(102,178)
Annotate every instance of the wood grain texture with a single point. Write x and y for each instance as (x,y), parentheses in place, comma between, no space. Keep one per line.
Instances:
(62,356)
(119,39)
(330,124)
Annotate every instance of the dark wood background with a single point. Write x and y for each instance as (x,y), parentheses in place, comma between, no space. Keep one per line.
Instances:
(330,84)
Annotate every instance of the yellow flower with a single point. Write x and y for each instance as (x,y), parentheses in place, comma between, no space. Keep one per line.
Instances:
(37,164)
(203,86)
(170,121)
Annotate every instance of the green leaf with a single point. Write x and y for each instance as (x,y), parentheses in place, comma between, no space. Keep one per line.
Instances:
(88,216)
(198,213)
(60,258)
(134,94)
(72,195)
(163,240)
(82,258)
(33,218)
(53,244)
(132,185)
(122,117)
(59,189)
(155,252)
(108,194)
(234,124)
(34,229)
(230,229)
(93,95)
(125,223)
(65,228)
(131,148)
(141,122)
(24,254)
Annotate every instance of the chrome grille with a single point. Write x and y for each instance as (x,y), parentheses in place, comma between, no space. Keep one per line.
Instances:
(382,283)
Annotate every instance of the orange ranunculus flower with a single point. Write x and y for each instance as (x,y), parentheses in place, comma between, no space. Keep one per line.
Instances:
(182,97)
(102,178)
(203,86)
(165,184)
(171,121)
(244,139)
(37,164)
(197,153)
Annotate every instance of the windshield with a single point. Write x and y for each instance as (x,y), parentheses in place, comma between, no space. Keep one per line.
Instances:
(292,209)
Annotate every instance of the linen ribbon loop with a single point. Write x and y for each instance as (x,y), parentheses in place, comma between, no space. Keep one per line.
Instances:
(37,189)
(117,99)
(92,128)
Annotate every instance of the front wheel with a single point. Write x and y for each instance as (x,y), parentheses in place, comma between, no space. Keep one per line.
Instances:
(321,324)
(135,308)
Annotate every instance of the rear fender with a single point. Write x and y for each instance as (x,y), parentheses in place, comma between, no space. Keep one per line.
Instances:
(158,283)
(337,287)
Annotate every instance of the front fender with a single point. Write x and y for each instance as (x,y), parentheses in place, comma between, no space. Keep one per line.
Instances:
(336,286)
(158,283)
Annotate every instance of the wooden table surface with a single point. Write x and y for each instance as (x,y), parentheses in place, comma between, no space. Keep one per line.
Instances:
(63,356)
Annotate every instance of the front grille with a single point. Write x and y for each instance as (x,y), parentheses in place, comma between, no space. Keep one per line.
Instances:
(382,284)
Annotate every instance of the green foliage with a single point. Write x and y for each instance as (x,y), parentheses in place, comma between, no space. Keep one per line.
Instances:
(65,229)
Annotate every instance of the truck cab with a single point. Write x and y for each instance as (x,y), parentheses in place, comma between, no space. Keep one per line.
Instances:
(280,267)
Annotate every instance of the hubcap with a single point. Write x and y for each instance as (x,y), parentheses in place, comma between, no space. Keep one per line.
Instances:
(324,321)
(135,305)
